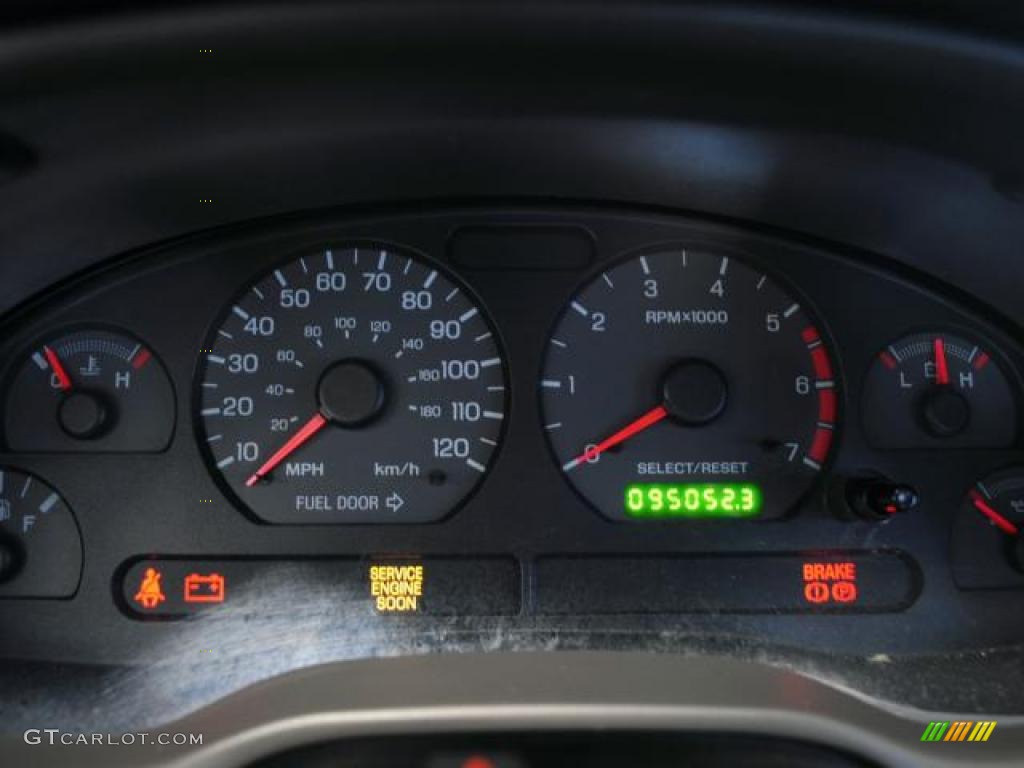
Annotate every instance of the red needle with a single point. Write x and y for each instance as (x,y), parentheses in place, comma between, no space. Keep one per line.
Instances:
(309,429)
(649,419)
(58,369)
(941,364)
(986,509)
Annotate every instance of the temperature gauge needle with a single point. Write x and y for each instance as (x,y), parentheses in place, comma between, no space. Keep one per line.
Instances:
(309,429)
(649,419)
(986,509)
(941,363)
(58,369)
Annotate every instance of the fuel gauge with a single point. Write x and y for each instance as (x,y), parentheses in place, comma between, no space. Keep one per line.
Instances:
(90,390)
(938,390)
(40,547)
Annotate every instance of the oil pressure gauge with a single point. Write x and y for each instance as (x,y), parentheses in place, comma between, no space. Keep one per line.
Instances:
(938,390)
(90,390)
(987,542)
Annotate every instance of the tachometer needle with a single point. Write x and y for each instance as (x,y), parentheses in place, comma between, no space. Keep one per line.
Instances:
(986,509)
(941,363)
(649,419)
(58,369)
(309,429)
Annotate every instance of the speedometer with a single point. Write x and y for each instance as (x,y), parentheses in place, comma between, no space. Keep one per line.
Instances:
(358,384)
(687,384)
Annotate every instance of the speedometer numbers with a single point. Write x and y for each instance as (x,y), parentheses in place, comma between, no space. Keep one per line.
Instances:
(353,385)
(683,384)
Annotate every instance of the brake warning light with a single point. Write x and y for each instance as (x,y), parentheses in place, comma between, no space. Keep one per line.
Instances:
(832,582)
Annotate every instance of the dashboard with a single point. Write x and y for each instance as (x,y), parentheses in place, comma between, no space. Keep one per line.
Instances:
(611,417)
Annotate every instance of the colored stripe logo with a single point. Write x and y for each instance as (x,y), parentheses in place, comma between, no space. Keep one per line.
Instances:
(959,730)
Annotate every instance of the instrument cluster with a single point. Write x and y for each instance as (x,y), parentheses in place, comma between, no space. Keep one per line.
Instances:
(550,418)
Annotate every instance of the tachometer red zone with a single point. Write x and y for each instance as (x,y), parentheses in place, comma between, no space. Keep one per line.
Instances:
(824,375)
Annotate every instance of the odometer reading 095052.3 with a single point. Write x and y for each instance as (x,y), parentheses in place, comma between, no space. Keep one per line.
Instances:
(352,385)
(685,384)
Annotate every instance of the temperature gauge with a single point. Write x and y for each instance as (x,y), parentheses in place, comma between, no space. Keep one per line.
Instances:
(988,545)
(937,390)
(40,547)
(89,390)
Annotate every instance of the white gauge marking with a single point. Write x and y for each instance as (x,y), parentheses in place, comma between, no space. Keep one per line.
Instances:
(580,308)
(644,266)
(468,314)
(493,415)
(240,312)
(791,311)
(47,505)
(329,258)
(608,280)
(280,278)
(725,266)
(490,362)
(476,465)
(210,412)
(551,384)
(40,361)
(224,462)
(430,279)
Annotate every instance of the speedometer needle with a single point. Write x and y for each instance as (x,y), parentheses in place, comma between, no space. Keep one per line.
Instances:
(309,429)
(649,419)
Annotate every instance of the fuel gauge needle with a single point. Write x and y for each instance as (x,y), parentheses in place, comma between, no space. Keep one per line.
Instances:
(301,437)
(649,419)
(58,369)
(999,520)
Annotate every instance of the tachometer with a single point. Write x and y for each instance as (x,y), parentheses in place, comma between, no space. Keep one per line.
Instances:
(682,384)
(352,385)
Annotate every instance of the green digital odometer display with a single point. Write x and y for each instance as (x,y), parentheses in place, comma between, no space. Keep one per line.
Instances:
(693,500)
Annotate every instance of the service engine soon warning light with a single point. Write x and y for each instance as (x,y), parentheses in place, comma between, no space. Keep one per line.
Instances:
(830,583)
(693,500)
(397,588)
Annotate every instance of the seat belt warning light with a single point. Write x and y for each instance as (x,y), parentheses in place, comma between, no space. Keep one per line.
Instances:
(205,589)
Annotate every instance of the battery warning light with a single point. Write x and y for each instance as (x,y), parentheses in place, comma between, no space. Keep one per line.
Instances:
(204,589)
(834,582)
